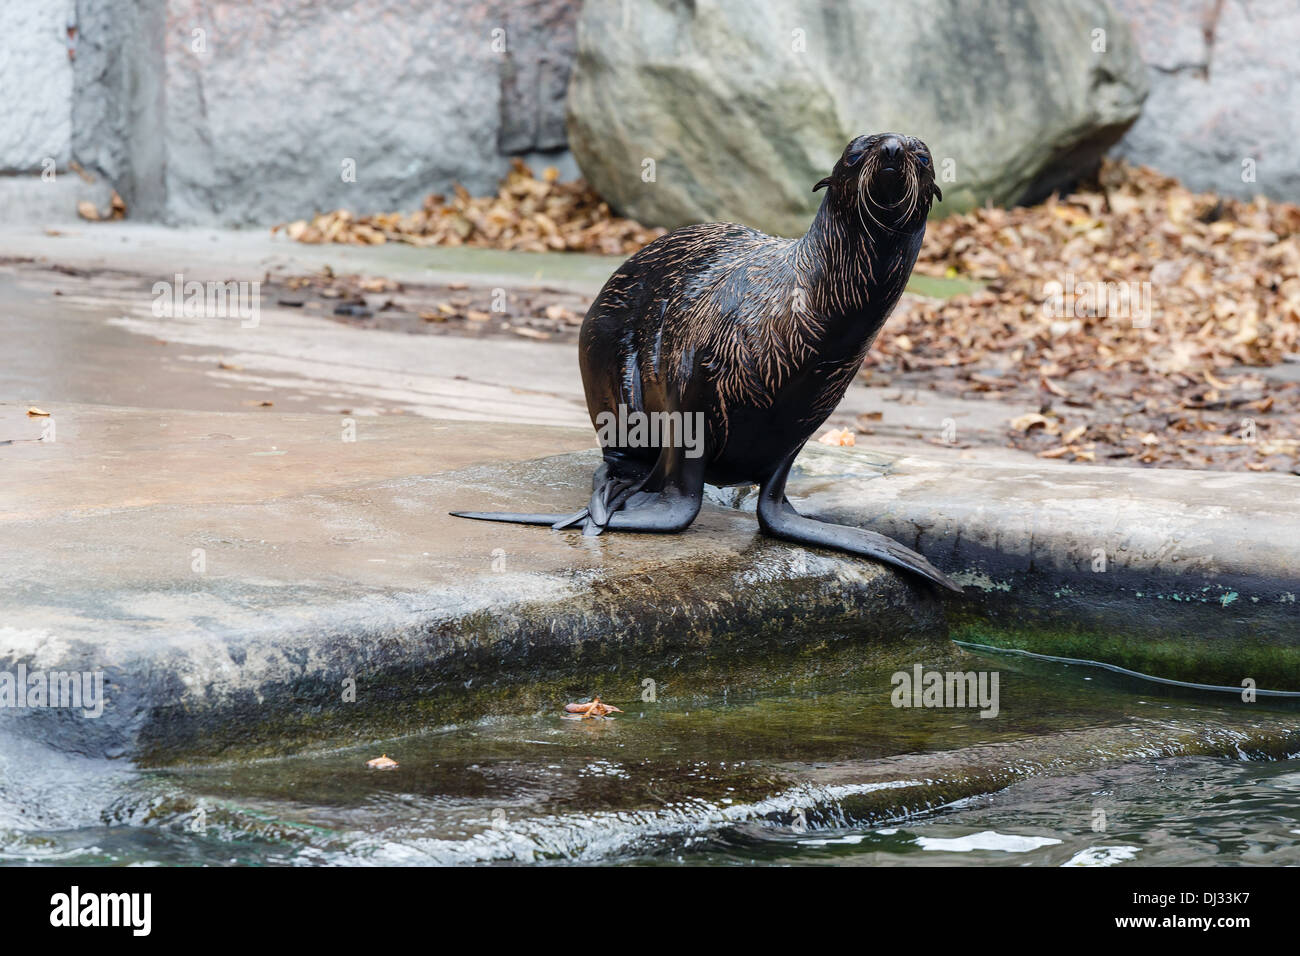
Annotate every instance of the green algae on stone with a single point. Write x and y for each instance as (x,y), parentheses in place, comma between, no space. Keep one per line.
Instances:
(1193,659)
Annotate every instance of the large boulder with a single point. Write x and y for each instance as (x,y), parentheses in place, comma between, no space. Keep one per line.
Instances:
(1224,111)
(744,104)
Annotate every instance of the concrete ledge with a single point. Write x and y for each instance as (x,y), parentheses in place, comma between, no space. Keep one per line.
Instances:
(226,620)
(229,573)
(1186,575)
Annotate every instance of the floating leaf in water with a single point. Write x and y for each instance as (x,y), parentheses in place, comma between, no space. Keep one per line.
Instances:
(593,709)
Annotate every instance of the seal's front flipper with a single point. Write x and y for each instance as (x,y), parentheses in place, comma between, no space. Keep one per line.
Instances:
(663,512)
(777,517)
(621,503)
(672,508)
(618,502)
(512,518)
(609,495)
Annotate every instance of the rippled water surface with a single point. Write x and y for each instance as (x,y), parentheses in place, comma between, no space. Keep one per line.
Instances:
(824,772)
(1167,812)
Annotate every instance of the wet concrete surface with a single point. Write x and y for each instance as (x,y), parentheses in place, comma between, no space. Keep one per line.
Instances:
(160,252)
(93,337)
(229,571)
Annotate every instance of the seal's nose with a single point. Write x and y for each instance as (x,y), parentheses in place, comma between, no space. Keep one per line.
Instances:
(891,149)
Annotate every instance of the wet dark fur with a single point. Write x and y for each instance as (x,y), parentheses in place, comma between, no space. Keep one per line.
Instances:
(761,336)
(707,318)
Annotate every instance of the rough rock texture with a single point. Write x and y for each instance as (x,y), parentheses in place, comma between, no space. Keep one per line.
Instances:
(744,106)
(117,99)
(1225,88)
(221,112)
(535,74)
(50,111)
(738,121)
(262,119)
(35,84)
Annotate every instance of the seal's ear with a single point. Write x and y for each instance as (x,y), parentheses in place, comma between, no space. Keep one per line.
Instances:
(823,184)
(938,193)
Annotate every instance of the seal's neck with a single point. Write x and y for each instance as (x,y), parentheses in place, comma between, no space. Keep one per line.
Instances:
(853,264)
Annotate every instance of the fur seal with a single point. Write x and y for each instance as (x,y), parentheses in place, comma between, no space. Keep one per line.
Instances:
(754,338)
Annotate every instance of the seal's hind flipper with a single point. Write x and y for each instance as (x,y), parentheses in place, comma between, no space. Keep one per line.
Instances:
(792,526)
(512,518)
(609,496)
(777,517)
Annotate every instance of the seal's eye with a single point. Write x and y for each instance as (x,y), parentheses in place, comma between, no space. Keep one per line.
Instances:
(854,157)
(923,159)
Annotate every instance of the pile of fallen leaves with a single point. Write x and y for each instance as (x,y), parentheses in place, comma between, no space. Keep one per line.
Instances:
(529,214)
(1174,383)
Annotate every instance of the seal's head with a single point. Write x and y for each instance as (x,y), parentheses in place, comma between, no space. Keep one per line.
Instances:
(888,176)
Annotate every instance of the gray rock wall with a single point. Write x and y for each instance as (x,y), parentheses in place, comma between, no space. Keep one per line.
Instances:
(225,112)
(35,83)
(1225,88)
(40,106)
(255,127)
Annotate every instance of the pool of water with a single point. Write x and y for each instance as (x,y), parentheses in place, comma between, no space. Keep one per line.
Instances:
(1163,812)
(1079,766)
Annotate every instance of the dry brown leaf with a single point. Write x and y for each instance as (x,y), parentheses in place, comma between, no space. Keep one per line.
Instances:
(1054,388)
(1025,422)
(840,437)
